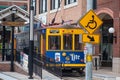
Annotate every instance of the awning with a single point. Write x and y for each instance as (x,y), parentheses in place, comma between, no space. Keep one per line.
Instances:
(20,16)
(4,6)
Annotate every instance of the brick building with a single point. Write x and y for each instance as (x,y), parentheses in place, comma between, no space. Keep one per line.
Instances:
(109,12)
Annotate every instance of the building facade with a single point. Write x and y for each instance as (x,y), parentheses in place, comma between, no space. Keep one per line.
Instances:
(109,12)
(67,10)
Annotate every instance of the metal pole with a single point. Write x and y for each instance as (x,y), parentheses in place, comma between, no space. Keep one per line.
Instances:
(90,50)
(3,42)
(12,48)
(31,43)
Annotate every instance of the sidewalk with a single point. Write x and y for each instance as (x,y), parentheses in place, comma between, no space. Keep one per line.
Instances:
(17,76)
(6,77)
(101,74)
(105,74)
(14,76)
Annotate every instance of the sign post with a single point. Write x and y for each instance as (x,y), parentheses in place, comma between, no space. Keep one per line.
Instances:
(91,23)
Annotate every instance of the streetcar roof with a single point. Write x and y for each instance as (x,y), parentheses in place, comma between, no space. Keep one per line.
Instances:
(62,26)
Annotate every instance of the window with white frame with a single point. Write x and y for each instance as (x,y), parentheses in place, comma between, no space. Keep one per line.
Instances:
(70,1)
(43,6)
(34,4)
(54,4)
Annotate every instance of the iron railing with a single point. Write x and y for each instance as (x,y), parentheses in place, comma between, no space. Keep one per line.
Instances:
(7,54)
(51,66)
(39,63)
(37,67)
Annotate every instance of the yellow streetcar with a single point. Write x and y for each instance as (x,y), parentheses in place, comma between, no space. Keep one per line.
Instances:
(63,45)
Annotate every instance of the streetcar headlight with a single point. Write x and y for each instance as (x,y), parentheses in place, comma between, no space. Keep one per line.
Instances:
(63,54)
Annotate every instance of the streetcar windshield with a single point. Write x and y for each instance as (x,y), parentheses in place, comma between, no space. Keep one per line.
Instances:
(67,41)
(64,39)
(54,43)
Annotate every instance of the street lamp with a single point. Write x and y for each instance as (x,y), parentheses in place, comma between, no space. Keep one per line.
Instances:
(112,30)
(14,10)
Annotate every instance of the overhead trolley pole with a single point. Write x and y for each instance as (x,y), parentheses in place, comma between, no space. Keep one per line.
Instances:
(31,42)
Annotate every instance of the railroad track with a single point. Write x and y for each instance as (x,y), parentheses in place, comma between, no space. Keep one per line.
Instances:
(68,75)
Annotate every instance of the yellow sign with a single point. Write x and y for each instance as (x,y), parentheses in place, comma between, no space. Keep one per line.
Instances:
(90,21)
(15,24)
(89,58)
(90,38)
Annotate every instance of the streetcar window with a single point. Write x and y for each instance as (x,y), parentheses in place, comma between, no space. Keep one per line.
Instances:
(54,43)
(78,45)
(67,41)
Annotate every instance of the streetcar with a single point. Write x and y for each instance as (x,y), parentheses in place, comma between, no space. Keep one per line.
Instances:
(63,44)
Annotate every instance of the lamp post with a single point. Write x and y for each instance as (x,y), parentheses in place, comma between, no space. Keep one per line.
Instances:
(31,42)
(12,47)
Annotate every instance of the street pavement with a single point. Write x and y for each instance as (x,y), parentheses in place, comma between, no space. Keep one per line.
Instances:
(100,74)
(13,76)
(6,77)
(106,74)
